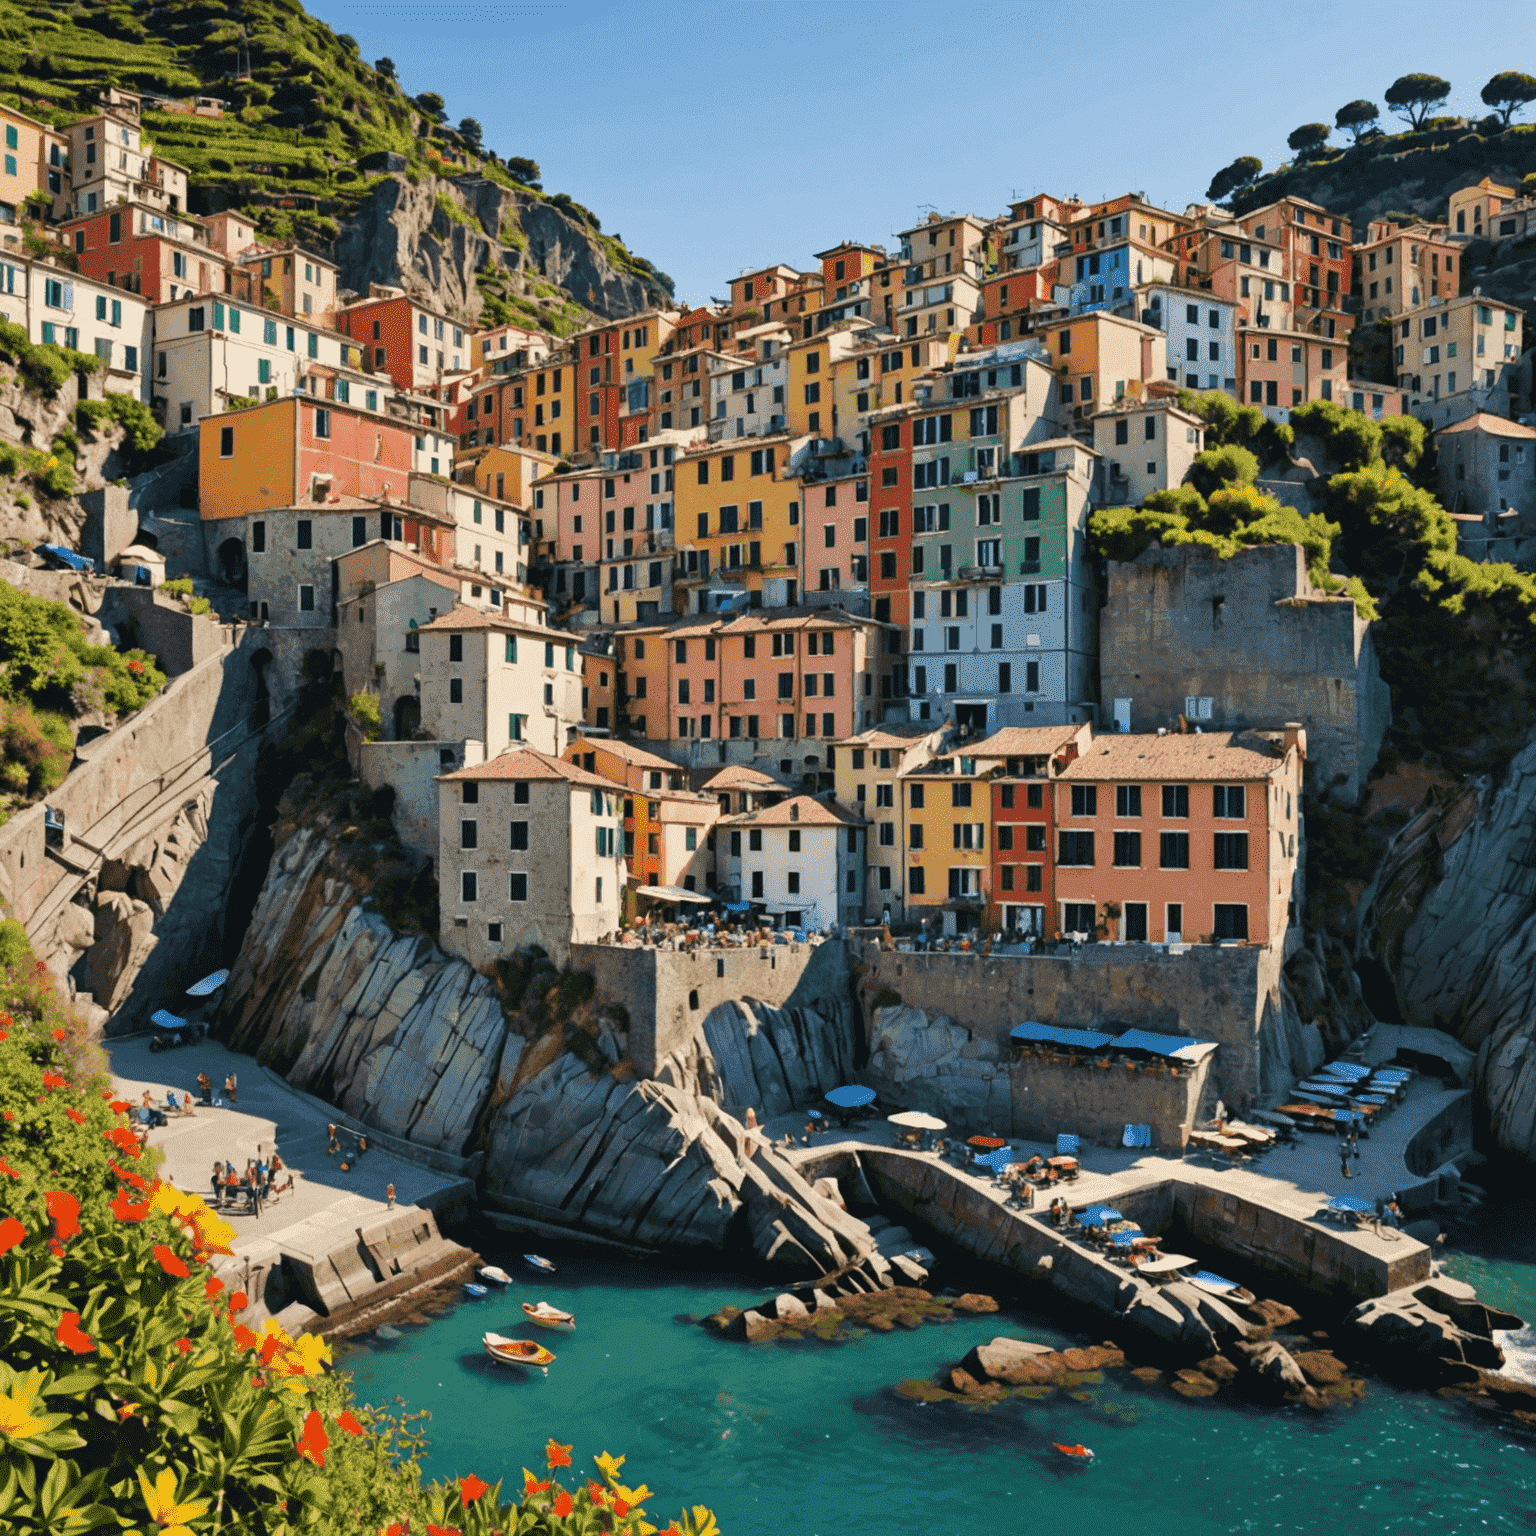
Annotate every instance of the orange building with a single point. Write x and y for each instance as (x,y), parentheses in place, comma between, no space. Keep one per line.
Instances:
(1398,268)
(890,490)
(144,250)
(298,449)
(1180,837)
(1290,368)
(1315,247)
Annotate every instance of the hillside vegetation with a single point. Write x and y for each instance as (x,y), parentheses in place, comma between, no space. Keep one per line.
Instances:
(303,107)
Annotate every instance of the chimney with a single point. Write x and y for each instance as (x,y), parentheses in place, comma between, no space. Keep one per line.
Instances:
(1294,735)
(794,811)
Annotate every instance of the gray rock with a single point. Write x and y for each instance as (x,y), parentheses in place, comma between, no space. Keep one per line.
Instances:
(1271,1364)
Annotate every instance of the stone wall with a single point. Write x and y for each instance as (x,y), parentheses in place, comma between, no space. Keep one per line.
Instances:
(177,638)
(1259,639)
(1097,1103)
(1234,996)
(667,994)
(411,769)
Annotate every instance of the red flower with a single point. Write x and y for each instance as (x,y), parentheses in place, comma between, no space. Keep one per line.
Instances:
(135,666)
(394,1528)
(58,1034)
(531,1484)
(10,1114)
(53,1080)
(5,1167)
(5,1034)
(120,1106)
(620,1508)
(596,1493)
(11,1232)
(313,1441)
(470,1488)
(348,1421)
(71,1336)
(170,1263)
(106,1093)
(443,1530)
(245,1338)
(269,1348)
(65,1210)
(563,1505)
(122,1138)
(184,1345)
(557,1455)
(238,1302)
(57,1247)
(212,1287)
(129,1210)
(128,1174)
(76,1116)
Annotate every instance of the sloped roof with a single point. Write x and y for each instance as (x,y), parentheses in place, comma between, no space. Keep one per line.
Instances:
(1021,741)
(636,756)
(742,776)
(525,763)
(1495,426)
(1210,756)
(800,811)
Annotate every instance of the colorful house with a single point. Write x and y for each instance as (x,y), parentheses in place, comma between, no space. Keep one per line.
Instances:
(1398,267)
(411,342)
(800,861)
(948,844)
(1171,838)
(145,250)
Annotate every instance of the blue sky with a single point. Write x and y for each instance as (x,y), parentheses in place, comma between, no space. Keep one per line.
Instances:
(715,137)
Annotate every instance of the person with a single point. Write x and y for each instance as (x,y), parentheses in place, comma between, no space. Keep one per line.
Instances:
(389,1195)
(362,1145)
(1354,1144)
(332,1145)
(149,1103)
(229,1088)
(205,1087)
(218,1183)
(277,1162)
(1344,1160)
(186,1103)
(1393,1215)
(750,1120)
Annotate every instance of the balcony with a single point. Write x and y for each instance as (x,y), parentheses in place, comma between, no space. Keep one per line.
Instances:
(981,572)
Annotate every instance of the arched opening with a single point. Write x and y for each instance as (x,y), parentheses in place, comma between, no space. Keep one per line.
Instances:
(231,559)
(261,710)
(147,539)
(407,717)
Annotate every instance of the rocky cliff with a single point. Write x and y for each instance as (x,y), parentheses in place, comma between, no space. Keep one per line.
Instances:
(479,249)
(1451,918)
(527,1071)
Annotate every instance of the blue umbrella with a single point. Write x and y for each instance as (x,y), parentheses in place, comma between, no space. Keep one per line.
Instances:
(815,1114)
(1351,1203)
(999,1159)
(1099,1215)
(851,1096)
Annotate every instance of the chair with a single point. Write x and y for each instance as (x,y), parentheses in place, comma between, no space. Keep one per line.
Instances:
(1066,1145)
(1137,1136)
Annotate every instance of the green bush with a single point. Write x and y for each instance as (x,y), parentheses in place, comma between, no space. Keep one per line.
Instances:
(37,746)
(365,710)
(180,587)
(199,606)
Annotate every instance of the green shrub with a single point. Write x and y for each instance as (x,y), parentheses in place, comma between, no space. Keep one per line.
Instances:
(37,747)
(180,587)
(365,710)
(15,951)
(199,606)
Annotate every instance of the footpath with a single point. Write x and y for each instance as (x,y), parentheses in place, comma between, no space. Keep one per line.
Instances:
(333,1245)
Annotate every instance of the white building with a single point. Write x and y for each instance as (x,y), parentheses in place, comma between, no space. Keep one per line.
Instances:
(528,853)
(746,393)
(502,681)
(1202,335)
(59,308)
(1143,446)
(800,861)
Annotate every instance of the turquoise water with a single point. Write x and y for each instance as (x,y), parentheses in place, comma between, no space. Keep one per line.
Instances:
(808,1439)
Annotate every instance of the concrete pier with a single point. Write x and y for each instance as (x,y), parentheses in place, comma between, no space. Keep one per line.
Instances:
(331,1247)
(1270,1213)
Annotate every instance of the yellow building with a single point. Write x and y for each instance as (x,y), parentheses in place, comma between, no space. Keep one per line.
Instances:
(737,523)
(543,407)
(505,472)
(949,841)
(814,368)
(22,170)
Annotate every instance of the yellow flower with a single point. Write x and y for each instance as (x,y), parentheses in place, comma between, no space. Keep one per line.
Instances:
(210,1232)
(17,1420)
(308,1354)
(704,1521)
(160,1501)
(632,1496)
(608,1465)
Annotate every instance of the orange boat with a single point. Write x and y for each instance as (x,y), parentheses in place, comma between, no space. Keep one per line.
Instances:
(522,1352)
(1076,1452)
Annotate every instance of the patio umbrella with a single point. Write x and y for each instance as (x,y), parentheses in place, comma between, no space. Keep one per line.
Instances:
(1099,1215)
(815,1114)
(1351,1203)
(851,1096)
(916,1120)
(998,1160)
(986,1142)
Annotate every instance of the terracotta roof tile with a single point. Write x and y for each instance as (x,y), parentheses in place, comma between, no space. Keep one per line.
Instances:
(801,811)
(741,776)
(525,763)
(1022,741)
(630,753)
(1213,756)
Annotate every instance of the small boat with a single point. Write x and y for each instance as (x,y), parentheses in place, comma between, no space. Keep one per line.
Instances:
(547,1316)
(522,1352)
(1075,1452)
(495,1274)
(1218,1285)
(536,1261)
(477,1291)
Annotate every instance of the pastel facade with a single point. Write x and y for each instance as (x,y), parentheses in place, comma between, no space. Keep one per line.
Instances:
(1142,447)
(1457,357)
(143,249)
(1202,336)
(801,862)
(528,853)
(1180,837)
(1397,269)
(58,308)
(410,342)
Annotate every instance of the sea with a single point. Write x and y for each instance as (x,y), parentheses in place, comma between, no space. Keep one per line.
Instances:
(812,1439)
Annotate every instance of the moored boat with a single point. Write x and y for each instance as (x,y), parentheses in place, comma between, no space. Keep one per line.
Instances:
(538,1262)
(547,1316)
(523,1352)
(1074,1452)
(470,1288)
(1219,1285)
(495,1274)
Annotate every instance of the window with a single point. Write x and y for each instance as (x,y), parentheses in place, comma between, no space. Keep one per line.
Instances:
(469,834)
(226,442)
(1230,921)
(1231,850)
(1176,801)
(517,887)
(1078,917)
(959,794)
(1127,850)
(469,885)
(258,537)
(1230,803)
(1128,800)
(1034,838)
(1173,850)
(322,423)
(518,839)
(304,534)
(754,840)
(1075,848)
(455,690)
(1085,800)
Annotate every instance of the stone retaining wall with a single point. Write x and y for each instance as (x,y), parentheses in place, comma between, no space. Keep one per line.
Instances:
(1098,1103)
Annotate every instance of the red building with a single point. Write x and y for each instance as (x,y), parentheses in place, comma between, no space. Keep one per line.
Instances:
(144,250)
(1319,261)
(414,345)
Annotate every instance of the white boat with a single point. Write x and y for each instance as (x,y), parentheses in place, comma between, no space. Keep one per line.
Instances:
(470,1288)
(522,1352)
(495,1275)
(1218,1285)
(547,1316)
(208,985)
(537,1261)
(1169,1264)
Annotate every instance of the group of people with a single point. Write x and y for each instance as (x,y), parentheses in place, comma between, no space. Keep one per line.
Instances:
(205,1087)
(263,1179)
(333,1147)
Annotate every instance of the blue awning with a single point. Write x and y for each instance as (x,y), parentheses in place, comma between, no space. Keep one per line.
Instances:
(1081,1039)
(1177,1047)
(851,1096)
(999,1159)
(1350,1071)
